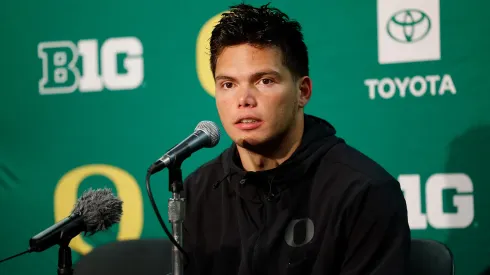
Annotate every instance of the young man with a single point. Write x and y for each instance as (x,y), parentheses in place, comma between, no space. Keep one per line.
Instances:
(288,196)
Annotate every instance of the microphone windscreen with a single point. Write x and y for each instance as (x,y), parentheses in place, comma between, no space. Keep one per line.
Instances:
(100,209)
(211,129)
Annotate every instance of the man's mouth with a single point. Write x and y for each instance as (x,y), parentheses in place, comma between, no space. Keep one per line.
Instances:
(248,121)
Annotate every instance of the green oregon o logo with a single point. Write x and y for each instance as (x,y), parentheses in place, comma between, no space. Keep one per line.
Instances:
(408,26)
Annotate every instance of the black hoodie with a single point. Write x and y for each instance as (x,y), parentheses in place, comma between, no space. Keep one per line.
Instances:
(328,209)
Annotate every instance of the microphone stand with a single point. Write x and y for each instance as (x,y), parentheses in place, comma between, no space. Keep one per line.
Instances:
(176,215)
(64,258)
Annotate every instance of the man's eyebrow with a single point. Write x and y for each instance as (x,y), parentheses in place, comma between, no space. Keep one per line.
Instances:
(223,77)
(253,76)
(267,72)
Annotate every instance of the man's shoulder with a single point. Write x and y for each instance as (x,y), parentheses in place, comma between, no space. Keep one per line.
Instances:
(347,159)
(357,177)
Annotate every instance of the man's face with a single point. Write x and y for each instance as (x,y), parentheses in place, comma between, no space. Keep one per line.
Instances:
(256,95)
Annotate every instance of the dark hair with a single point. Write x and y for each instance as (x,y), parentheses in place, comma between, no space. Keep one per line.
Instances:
(263,26)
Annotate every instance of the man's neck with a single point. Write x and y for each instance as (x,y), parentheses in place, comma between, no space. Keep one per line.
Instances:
(259,161)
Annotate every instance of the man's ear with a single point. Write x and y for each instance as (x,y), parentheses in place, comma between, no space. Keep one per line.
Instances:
(305,89)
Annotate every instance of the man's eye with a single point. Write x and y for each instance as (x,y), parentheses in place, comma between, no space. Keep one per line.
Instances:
(227,85)
(267,81)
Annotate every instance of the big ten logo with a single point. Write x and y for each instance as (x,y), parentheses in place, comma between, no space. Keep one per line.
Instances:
(68,66)
(65,197)
(438,197)
(203,68)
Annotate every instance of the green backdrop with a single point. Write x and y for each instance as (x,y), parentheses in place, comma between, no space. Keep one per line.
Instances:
(94,91)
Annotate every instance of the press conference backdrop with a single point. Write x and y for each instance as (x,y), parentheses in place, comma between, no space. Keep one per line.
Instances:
(93,92)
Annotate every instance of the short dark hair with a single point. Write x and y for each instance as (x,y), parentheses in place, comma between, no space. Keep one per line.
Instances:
(262,26)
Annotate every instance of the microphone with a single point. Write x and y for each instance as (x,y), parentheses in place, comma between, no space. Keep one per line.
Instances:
(206,134)
(95,210)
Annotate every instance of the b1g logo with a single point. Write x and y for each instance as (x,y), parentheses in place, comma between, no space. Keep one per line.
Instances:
(119,67)
(449,201)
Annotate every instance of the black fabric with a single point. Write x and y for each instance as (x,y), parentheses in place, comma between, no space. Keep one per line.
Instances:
(328,209)
(430,257)
(147,256)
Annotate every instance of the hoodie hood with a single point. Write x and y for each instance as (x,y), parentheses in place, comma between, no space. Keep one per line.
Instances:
(318,137)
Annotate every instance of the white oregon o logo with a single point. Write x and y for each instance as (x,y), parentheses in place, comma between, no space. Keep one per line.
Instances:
(290,232)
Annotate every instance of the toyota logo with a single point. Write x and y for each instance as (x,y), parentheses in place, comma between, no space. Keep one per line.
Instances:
(408,26)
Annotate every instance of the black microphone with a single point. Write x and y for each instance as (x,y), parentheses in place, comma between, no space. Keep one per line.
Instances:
(206,134)
(95,210)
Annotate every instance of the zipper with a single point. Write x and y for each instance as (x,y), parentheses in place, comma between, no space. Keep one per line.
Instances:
(255,254)
(256,251)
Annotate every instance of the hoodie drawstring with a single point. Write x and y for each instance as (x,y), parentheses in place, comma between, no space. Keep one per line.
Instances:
(229,174)
(270,195)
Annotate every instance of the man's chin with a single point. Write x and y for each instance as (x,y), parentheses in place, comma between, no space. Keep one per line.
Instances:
(254,144)
(248,142)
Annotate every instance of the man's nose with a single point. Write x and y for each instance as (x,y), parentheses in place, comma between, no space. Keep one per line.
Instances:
(247,98)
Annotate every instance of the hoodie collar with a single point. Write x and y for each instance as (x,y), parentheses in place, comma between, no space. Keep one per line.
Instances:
(318,136)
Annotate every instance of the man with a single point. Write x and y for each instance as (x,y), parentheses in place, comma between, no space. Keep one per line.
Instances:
(288,196)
